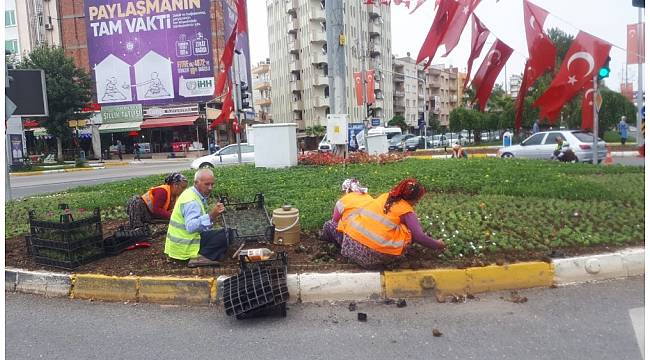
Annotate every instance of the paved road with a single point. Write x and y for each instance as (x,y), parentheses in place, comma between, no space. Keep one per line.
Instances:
(594,321)
(635,161)
(23,186)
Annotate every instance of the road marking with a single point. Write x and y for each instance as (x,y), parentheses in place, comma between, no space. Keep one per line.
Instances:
(637,316)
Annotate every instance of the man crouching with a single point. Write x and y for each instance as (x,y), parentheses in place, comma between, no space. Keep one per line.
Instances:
(190,235)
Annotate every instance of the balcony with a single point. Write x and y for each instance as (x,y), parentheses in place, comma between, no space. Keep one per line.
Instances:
(421,95)
(318,58)
(398,94)
(294,25)
(321,101)
(261,69)
(379,104)
(398,78)
(261,85)
(375,49)
(398,108)
(321,81)
(294,46)
(263,102)
(295,85)
(317,14)
(374,29)
(318,37)
(291,5)
(297,105)
(294,66)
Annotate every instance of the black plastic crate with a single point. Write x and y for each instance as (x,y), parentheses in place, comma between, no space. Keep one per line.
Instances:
(123,238)
(277,268)
(249,290)
(249,220)
(67,243)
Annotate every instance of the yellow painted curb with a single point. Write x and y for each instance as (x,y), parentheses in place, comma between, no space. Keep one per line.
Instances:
(102,287)
(116,164)
(35,173)
(478,156)
(184,291)
(515,276)
(418,283)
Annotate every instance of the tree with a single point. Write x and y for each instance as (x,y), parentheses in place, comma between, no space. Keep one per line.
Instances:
(316,130)
(399,121)
(434,122)
(69,90)
(614,106)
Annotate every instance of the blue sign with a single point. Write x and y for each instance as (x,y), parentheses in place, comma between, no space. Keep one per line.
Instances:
(353,130)
(375,122)
(643,111)
(421,123)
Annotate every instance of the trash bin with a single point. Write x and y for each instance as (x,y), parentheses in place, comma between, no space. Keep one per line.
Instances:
(507,139)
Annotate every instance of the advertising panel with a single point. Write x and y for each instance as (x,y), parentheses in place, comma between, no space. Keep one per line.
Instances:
(150,51)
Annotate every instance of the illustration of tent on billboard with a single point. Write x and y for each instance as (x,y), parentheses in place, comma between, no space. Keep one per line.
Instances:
(113,80)
(153,77)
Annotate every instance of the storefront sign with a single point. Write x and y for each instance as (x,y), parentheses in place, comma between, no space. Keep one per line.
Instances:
(16,148)
(171,111)
(151,52)
(121,113)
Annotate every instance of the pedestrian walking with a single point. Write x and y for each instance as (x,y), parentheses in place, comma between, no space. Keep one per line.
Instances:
(622,130)
(119,149)
(302,146)
(136,151)
(536,127)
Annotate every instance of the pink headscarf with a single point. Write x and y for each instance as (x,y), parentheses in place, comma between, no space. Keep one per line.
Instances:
(353,185)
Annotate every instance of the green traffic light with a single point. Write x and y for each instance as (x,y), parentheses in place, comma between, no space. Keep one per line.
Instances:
(604,72)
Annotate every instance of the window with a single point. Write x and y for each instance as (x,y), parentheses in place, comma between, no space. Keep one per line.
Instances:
(10,18)
(533,140)
(584,136)
(11,46)
(229,150)
(550,139)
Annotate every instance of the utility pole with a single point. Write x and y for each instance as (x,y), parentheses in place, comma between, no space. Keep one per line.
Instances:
(639,92)
(335,55)
(594,146)
(7,142)
(237,103)
(364,69)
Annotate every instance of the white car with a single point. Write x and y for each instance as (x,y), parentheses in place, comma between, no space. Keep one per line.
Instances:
(227,155)
(542,144)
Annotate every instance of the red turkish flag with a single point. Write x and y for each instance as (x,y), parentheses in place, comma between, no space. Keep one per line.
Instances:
(358,86)
(419,3)
(588,106)
(405,2)
(457,24)
(370,86)
(627,90)
(446,12)
(480,34)
(487,74)
(226,61)
(585,57)
(634,31)
(226,110)
(541,50)
(521,95)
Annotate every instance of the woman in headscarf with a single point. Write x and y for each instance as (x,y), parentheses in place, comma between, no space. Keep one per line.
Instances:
(380,232)
(354,197)
(157,203)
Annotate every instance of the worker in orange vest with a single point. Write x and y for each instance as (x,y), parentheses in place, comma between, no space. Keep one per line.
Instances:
(157,203)
(380,232)
(354,196)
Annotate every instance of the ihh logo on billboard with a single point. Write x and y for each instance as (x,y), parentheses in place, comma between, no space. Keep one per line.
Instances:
(196,87)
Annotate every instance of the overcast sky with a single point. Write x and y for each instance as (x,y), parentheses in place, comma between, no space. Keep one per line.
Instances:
(606,19)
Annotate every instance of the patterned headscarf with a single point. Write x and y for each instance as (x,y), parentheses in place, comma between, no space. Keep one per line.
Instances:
(175,178)
(407,189)
(353,185)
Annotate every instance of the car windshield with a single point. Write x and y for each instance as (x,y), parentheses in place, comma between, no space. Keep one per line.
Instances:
(413,140)
(584,136)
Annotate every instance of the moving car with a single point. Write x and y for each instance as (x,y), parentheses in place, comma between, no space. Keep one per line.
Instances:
(542,144)
(227,155)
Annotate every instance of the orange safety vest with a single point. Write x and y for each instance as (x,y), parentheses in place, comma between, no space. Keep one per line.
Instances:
(149,199)
(351,202)
(381,232)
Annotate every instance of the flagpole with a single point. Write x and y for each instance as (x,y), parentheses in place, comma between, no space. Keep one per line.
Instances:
(639,92)
(594,147)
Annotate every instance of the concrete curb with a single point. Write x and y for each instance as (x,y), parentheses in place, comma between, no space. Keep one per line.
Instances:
(337,286)
(35,173)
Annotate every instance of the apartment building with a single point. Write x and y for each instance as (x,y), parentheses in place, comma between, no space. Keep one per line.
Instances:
(30,23)
(442,91)
(515,85)
(298,53)
(408,94)
(262,91)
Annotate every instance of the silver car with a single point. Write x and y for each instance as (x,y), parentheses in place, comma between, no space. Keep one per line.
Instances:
(542,144)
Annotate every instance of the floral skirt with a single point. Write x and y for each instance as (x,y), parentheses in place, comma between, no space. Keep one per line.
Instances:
(354,250)
(138,212)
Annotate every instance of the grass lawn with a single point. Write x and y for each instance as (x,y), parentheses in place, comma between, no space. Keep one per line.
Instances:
(613,137)
(479,206)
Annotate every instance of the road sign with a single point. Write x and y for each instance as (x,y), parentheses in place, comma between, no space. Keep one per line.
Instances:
(599,100)
(643,112)
(375,121)
(27,91)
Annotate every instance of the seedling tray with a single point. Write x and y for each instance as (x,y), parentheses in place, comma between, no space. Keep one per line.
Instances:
(246,291)
(249,220)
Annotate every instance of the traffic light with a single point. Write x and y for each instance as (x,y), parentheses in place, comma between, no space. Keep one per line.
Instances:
(370,112)
(244,95)
(604,70)
(638,3)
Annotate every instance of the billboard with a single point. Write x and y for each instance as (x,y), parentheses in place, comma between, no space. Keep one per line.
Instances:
(150,51)
(243,60)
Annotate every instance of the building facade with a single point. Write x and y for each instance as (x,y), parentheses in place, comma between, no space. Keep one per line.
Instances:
(262,91)
(442,91)
(515,85)
(30,23)
(298,52)
(408,94)
(12,39)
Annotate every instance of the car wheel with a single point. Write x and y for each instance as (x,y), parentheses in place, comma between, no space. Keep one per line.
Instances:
(206,166)
(507,156)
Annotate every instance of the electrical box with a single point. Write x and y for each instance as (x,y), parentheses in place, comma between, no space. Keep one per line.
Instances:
(337,129)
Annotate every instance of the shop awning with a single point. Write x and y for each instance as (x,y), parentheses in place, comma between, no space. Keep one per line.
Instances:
(120,127)
(169,121)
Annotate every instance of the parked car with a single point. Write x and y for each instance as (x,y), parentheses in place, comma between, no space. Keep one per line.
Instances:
(227,155)
(542,144)
(324,145)
(417,142)
(396,143)
(438,141)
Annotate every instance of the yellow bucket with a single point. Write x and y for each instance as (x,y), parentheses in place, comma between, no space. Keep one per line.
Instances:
(287,225)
